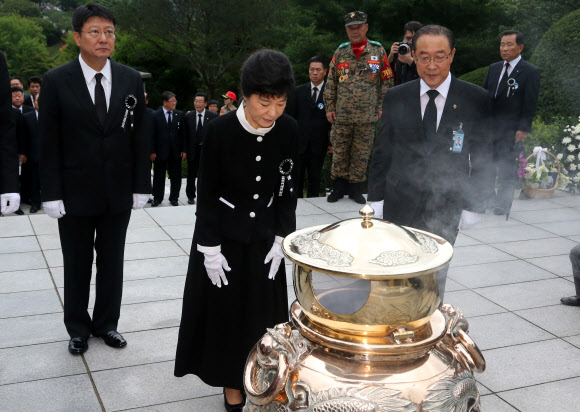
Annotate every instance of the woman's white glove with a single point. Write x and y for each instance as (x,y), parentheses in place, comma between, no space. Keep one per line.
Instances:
(139,200)
(9,203)
(275,255)
(215,264)
(54,208)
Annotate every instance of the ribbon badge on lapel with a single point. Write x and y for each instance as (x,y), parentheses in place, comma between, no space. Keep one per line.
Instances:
(130,104)
(285,169)
(512,86)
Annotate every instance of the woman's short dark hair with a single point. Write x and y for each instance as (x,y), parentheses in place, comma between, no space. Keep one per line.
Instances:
(434,30)
(83,13)
(267,73)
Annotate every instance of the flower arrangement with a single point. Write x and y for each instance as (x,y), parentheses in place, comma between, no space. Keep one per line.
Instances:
(522,170)
(569,156)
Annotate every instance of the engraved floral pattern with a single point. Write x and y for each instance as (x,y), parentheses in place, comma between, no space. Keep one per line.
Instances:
(453,394)
(308,244)
(428,245)
(394,258)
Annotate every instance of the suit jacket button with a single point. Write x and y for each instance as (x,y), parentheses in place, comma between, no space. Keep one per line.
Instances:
(252,214)
(258,178)
(260,138)
(256,196)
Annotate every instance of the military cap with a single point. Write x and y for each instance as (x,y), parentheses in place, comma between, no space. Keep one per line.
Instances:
(355,17)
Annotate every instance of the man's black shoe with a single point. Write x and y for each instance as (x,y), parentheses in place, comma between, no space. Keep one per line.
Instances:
(33,209)
(174,203)
(358,198)
(114,339)
(571,301)
(191,201)
(76,346)
(334,196)
(150,200)
(499,211)
(19,212)
(155,203)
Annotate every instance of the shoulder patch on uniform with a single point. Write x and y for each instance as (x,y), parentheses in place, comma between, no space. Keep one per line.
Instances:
(343,45)
(376,43)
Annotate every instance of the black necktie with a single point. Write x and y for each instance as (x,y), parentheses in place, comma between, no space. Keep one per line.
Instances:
(199,125)
(314,91)
(430,116)
(100,101)
(504,79)
(169,118)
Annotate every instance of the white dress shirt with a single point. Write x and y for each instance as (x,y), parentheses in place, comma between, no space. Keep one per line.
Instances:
(165,111)
(319,87)
(443,90)
(510,69)
(106,80)
(197,118)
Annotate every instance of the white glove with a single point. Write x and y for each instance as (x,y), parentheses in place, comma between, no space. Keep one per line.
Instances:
(215,264)
(378,208)
(275,255)
(9,203)
(469,220)
(139,200)
(54,208)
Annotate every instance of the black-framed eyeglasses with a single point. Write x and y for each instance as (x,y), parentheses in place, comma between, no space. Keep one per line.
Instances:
(95,34)
(437,59)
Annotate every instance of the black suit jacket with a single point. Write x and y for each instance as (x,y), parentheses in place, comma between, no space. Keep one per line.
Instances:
(29,129)
(93,168)
(311,117)
(8,142)
(28,101)
(193,140)
(17,119)
(167,138)
(415,176)
(517,111)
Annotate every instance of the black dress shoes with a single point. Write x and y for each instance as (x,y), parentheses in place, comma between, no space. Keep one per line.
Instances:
(174,203)
(114,339)
(191,201)
(76,346)
(33,209)
(155,203)
(232,408)
(571,301)
(19,212)
(499,211)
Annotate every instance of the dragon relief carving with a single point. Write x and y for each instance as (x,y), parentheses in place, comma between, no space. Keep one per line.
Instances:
(453,394)
(308,244)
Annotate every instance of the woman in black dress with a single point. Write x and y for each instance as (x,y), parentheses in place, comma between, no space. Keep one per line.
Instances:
(236,281)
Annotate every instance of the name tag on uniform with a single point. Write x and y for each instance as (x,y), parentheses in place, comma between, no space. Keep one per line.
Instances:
(458,140)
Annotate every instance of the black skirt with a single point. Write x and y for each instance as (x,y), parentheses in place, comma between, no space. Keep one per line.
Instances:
(219,326)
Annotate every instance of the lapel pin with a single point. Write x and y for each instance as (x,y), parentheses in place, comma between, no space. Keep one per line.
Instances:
(455,106)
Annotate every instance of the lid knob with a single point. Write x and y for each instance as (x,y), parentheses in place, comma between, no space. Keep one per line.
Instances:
(367,213)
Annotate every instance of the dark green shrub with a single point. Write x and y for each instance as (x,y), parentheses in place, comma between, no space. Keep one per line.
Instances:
(476,76)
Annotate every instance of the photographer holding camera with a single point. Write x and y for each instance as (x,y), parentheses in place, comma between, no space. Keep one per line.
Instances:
(400,57)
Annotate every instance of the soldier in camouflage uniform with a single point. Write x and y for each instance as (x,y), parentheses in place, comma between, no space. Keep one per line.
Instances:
(358,78)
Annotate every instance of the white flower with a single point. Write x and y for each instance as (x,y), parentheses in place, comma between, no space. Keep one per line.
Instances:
(570,158)
(576,129)
(571,147)
(572,166)
(559,156)
(566,140)
(576,179)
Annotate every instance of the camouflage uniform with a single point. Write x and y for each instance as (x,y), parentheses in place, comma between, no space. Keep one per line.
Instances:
(225,109)
(355,90)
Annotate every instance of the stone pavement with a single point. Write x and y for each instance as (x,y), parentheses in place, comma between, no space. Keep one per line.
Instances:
(507,278)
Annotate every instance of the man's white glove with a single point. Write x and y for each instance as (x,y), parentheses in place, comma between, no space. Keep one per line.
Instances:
(9,203)
(378,208)
(139,200)
(215,264)
(469,220)
(54,208)
(275,255)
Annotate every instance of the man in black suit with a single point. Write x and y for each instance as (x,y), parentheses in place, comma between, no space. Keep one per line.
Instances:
(513,85)
(27,99)
(18,109)
(34,83)
(309,111)
(94,168)
(167,149)
(9,197)
(193,133)
(421,174)
(28,128)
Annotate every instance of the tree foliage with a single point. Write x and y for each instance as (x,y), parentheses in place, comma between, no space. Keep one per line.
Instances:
(24,45)
(558,58)
(24,8)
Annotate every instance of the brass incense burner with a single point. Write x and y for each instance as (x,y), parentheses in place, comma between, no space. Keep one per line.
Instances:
(367,332)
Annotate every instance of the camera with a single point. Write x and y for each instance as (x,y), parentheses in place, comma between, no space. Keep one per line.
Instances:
(404,47)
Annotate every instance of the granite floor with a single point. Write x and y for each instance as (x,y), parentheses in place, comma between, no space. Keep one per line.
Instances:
(507,277)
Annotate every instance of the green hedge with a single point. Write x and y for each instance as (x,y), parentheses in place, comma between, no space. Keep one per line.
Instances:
(558,58)
(476,76)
